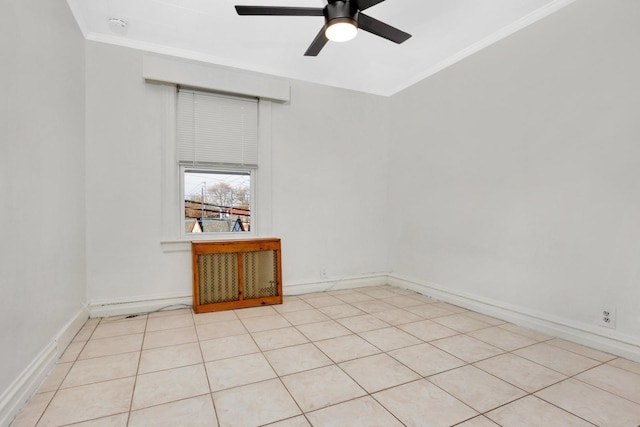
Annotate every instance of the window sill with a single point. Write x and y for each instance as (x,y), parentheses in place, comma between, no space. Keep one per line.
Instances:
(184,244)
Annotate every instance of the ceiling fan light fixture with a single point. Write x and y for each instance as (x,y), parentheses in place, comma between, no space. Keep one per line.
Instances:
(341,30)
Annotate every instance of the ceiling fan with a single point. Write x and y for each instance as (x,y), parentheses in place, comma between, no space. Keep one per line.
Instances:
(342,20)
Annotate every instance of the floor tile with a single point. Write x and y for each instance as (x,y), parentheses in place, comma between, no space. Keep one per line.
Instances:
(265,323)
(34,409)
(340,311)
(222,348)
(72,351)
(362,323)
(278,338)
(87,402)
(481,421)
(520,372)
(254,404)
(302,317)
(614,380)
(625,364)
(321,387)
(476,388)
(169,322)
(111,346)
(403,301)
(193,412)
(592,404)
(55,378)
(323,301)
(556,358)
(237,371)
(378,292)
(299,421)
(323,330)
(502,338)
(397,317)
(428,330)
(105,368)
(378,372)
(209,331)
(484,318)
(214,317)
(345,348)
(298,358)
(582,350)
(450,307)
(112,328)
(526,332)
(290,306)
(170,312)
(119,420)
(461,323)
(175,356)
(467,348)
(373,306)
(87,330)
(265,310)
(426,359)
(169,337)
(363,411)
(438,407)
(390,338)
(429,311)
(355,297)
(531,411)
(160,387)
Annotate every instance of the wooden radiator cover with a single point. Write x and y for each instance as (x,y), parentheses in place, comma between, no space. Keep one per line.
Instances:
(236,274)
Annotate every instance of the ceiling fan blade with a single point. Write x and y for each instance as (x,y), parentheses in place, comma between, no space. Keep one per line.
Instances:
(381,29)
(318,43)
(366,4)
(279,10)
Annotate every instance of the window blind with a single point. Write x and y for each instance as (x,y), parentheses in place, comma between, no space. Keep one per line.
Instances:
(216,129)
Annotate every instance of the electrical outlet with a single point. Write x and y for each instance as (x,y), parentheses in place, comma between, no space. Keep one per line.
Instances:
(607,317)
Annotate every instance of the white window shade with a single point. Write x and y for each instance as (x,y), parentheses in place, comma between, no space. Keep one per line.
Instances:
(216,130)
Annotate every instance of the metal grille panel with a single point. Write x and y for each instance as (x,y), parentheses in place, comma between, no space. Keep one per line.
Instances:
(260,274)
(218,274)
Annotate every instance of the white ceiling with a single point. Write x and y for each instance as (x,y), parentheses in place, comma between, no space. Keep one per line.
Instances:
(443,32)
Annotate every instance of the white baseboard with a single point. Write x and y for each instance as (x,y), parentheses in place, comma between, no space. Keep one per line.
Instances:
(16,396)
(606,340)
(335,284)
(137,305)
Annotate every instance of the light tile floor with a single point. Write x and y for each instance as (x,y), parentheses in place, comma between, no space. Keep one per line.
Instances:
(377,356)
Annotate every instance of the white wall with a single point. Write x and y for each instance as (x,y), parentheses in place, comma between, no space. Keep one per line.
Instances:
(328,187)
(42,227)
(521,165)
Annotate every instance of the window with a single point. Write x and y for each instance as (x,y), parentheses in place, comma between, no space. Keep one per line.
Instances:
(216,201)
(217,149)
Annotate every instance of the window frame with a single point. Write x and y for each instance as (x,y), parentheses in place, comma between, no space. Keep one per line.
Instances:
(252,170)
(173,238)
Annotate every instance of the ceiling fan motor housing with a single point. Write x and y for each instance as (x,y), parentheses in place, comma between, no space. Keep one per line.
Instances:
(341,11)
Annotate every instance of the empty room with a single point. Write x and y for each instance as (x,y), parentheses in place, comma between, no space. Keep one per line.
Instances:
(320,213)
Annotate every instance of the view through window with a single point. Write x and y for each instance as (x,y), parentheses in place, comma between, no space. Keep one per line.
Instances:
(217,201)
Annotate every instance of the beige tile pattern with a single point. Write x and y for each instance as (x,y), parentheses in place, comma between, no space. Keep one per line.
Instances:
(254,404)
(592,404)
(482,391)
(435,405)
(363,411)
(193,412)
(375,356)
(321,387)
(531,411)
